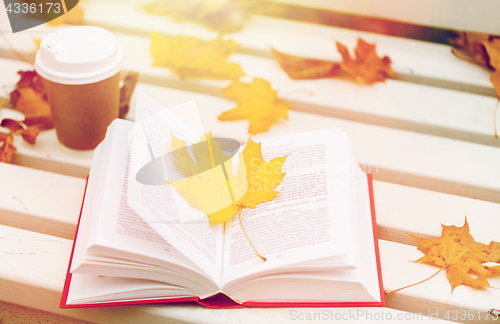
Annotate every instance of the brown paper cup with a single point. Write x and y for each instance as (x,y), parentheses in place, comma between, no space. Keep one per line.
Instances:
(82,113)
(81,67)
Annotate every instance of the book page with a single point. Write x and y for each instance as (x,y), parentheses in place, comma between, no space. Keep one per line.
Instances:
(308,219)
(119,232)
(187,229)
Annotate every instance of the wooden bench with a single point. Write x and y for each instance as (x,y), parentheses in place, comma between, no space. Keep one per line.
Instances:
(427,136)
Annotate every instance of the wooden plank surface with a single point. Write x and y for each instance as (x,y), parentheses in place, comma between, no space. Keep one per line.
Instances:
(40,201)
(49,203)
(397,156)
(449,14)
(40,286)
(414,60)
(431,150)
(15,314)
(403,157)
(395,104)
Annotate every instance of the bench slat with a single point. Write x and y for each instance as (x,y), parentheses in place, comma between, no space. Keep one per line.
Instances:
(34,270)
(397,156)
(40,201)
(450,14)
(49,203)
(416,61)
(396,104)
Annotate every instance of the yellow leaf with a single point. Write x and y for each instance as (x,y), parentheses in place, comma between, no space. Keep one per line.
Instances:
(208,183)
(263,177)
(189,57)
(219,193)
(224,16)
(37,42)
(212,188)
(72,17)
(457,253)
(257,102)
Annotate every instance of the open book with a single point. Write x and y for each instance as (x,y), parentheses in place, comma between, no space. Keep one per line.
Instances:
(142,243)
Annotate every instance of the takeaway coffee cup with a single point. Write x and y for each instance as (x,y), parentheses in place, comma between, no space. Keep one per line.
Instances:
(81,71)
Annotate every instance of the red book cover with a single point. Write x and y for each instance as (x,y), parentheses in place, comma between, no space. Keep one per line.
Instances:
(222,301)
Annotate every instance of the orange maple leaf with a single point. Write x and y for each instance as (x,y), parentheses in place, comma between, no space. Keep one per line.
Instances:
(459,255)
(299,68)
(366,66)
(257,103)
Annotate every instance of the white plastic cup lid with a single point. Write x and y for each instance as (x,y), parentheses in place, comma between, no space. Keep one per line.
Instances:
(79,55)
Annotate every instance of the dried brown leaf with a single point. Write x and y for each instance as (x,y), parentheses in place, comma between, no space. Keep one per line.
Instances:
(30,134)
(126,91)
(7,149)
(11,124)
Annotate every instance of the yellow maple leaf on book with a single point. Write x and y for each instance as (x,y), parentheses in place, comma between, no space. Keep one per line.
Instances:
(218,192)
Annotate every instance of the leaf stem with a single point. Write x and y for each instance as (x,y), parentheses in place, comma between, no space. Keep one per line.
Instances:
(467,59)
(260,256)
(284,97)
(494,115)
(389,292)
